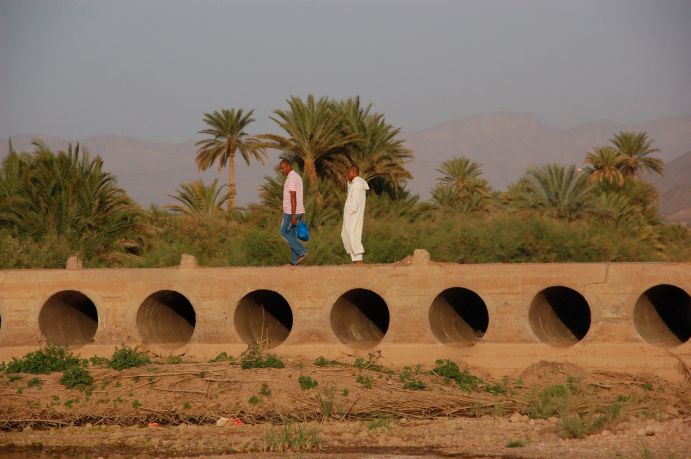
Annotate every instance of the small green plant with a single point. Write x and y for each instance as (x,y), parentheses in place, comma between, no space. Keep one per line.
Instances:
(324,362)
(555,400)
(186,405)
(410,382)
(174,360)
(254,357)
(69,403)
(127,357)
(364,381)
(76,378)
(253,400)
(579,426)
(371,364)
(44,361)
(521,442)
(647,386)
(55,398)
(326,401)
(380,422)
(35,382)
(136,404)
(450,371)
(98,361)
(345,392)
(414,384)
(291,437)
(306,382)
(265,391)
(12,377)
(223,357)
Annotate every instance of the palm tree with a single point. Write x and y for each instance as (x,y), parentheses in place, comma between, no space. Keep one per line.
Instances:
(605,166)
(377,149)
(313,131)
(196,198)
(68,194)
(464,175)
(560,191)
(461,186)
(635,147)
(226,136)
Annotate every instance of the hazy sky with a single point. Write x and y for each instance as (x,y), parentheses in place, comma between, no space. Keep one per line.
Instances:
(150,69)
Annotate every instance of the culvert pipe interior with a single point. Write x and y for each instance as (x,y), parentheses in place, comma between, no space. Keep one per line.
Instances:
(559,316)
(662,315)
(458,317)
(68,318)
(263,317)
(360,318)
(166,318)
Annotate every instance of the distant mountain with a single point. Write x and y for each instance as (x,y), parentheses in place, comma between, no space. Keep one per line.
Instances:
(675,189)
(506,143)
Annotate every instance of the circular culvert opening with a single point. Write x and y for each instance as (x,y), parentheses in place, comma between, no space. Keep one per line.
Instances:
(560,316)
(360,318)
(458,316)
(166,317)
(68,318)
(662,316)
(263,317)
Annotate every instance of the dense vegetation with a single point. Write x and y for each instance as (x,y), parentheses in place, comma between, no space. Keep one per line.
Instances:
(53,205)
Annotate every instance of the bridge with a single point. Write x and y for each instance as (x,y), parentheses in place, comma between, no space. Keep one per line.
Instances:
(501,318)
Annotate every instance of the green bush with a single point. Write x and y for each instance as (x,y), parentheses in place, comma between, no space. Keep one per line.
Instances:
(44,361)
(450,371)
(306,382)
(255,357)
(127,357)
(76,378)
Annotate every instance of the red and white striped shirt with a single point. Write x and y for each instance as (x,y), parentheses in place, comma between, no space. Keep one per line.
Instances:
(293,183)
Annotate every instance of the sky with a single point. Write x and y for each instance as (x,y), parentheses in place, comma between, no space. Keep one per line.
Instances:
(150,69)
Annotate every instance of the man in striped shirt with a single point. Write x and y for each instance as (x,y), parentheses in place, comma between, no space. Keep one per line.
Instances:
(293,210)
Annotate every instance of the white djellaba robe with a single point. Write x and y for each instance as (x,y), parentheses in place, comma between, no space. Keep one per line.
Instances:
(353,218)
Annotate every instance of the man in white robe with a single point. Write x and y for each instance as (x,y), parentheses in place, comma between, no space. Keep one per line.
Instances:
(354,215)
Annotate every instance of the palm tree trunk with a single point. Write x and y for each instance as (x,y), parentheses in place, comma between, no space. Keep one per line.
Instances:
(310,171)
(231,181)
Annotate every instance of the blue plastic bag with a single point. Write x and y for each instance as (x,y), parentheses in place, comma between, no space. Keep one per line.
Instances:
(303,231)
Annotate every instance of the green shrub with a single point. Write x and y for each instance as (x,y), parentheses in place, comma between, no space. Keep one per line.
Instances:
(44,361)
(307,382)
(76,378)
(127,357)
(555,400)
(254,357)
(253,400)
(450,371)
(223,357)
(174,360)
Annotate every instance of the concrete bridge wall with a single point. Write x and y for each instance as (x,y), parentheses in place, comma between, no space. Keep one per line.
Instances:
(498,317)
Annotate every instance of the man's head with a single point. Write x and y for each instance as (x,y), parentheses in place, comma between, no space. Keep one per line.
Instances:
(285,167)
(353,171)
